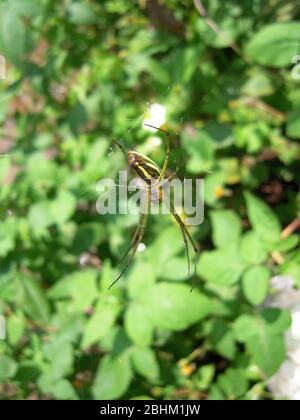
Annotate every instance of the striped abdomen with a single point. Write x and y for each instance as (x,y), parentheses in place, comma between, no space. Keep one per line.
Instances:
(144,167)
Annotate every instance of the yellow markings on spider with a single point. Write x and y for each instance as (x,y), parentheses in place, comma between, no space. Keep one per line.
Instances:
(151,174)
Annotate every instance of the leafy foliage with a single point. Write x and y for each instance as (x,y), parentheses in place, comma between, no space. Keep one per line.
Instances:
(83,72)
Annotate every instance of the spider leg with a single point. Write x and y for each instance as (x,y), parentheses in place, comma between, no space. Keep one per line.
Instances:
(187,233)
(132,243)
(166,162)
(121,147)
(136,240)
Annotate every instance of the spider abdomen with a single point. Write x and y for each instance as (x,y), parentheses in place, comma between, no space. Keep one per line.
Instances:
(144,167)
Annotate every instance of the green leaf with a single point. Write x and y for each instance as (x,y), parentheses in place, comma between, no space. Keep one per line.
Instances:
(81,13)
(145,363)
(8,367)
(258,85)
(244,327)
(263,220)
(61,363)
(255,284)
(140,279)
(26,8)
(80,287)
(63,390)
(226,228)
(268,350)
(113,377)
(16,325)
(12,35)
(101,322)
(176,269)
(293,124)
(215,393)
(40,215)
(276,320)
(62,207)
(221,267)
(204,376)
(166,245)
(138,325)
(174,306)
(292,269)
(33,298)
(222,339)
(233,382)
(263,337)
(253,250)
(275,44)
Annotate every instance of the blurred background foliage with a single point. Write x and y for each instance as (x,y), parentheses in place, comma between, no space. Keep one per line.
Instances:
(80,73)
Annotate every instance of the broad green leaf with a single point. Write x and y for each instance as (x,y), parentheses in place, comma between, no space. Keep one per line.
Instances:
(27,8)
(174,307)
(79,287)
(276,320)
(222,339)
(62,207)
(215,393)
(226,228)
(287,244)
(275,44)
(292,269)
(63,390)
(221,267)
(204,376)
(88,235)
(138,325)
(258,85)
(16,325)
(145,363)
(113,377)
(8,367)
(233,382)
(166,245)
(255,284)
(253,250)
(60,362)
(12,34)
(268,350)
(81,13)
(40,215)
(140,279)
(176,269)
(101,322)
(263,220)
(244,327)
(32,298)
(293,124)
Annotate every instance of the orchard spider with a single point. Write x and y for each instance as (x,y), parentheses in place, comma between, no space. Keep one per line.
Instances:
(152,176)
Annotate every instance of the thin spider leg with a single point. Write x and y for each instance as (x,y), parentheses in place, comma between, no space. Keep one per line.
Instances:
(141,228)
(180,221)
(121,147)
(187,233)
(186,246)
(168,152)
(166,162)
(180,224)
(169,178)
(196,250)
(132,242)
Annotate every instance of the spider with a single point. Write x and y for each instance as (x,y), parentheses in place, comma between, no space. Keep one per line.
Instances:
(152,176)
